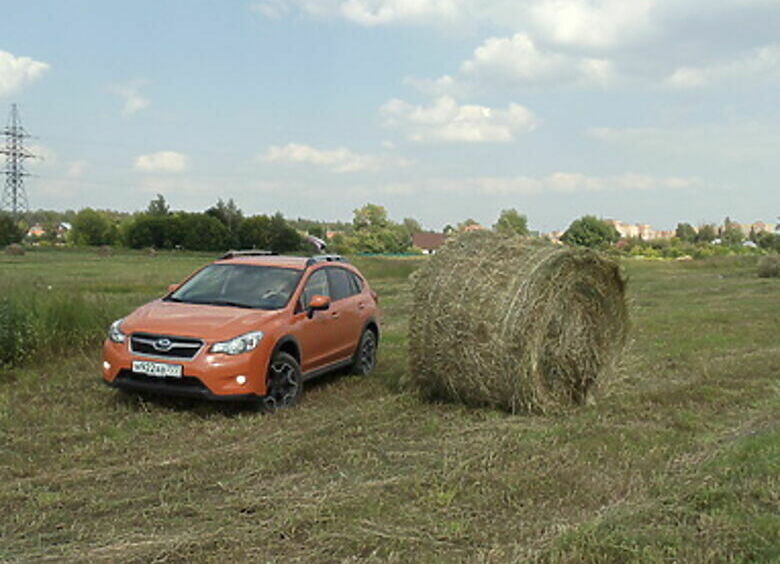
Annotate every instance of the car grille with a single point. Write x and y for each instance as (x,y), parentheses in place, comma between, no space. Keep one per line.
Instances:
(164,346)
(185,382)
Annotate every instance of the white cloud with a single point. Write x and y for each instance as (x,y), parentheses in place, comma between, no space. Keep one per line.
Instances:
(517,60)
(447,121)
(44,155)
(130,93)
(162,161)
(760,62)
(18,72)
(340,159)
(369,12)
(76,169)
(592,23)
(557,182)
(379,12)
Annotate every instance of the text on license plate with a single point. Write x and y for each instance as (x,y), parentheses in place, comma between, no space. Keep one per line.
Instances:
(159,369)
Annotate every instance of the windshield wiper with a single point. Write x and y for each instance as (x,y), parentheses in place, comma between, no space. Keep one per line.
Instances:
(228,303)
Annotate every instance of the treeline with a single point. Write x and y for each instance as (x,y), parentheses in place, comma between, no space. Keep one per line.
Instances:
(224,226)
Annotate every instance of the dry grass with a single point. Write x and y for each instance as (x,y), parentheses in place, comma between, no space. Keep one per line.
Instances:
(676,461)
(515,323)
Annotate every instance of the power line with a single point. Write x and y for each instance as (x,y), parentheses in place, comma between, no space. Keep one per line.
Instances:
(14,195)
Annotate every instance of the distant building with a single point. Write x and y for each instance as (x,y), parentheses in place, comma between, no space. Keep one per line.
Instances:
(429,242)
(36,231)
(642,230)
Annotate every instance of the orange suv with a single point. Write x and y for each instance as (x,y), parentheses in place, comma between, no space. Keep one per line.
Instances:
(250,326)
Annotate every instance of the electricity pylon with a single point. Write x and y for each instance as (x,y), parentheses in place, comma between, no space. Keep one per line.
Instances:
(14,197)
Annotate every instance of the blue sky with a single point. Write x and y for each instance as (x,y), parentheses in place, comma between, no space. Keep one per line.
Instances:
(652,111)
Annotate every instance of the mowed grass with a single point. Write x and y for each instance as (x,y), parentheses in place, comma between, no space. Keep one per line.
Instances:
(677,458)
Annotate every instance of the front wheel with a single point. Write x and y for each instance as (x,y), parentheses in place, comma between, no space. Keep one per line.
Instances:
(284,384)
(365,355)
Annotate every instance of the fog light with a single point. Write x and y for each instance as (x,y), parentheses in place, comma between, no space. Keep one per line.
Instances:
(106,365)
(241,380)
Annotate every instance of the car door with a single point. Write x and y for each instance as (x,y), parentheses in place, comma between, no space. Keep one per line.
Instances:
(315,335)
(345,311)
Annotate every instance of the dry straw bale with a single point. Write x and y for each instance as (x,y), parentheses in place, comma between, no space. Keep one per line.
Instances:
(14,249)
(769,266)
(105,251)
(518,324)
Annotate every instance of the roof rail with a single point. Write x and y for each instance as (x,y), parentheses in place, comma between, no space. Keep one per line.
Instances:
(247,253)
(324,258)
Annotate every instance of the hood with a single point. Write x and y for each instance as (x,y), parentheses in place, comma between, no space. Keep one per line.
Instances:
(211,323)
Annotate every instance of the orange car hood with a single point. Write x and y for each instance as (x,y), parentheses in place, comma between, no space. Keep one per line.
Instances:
(212,323)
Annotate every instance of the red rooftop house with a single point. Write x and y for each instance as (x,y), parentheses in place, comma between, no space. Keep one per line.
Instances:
(429,243)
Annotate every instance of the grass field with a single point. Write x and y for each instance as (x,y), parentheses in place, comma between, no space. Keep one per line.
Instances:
(676,459)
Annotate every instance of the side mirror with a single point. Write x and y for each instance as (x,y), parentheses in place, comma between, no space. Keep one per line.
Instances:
(172,287)
(317,303)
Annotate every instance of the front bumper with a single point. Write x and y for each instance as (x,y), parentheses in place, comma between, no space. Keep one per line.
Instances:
(209,376)
(187,387)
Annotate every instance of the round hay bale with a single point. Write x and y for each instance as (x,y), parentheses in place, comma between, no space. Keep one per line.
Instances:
(769,266)
(514,323)
(105,251)
(151,252)
(14,250)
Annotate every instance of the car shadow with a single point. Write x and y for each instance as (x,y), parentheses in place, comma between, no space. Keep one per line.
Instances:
(141,401)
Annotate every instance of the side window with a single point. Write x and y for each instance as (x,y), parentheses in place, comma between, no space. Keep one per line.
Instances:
(316,285)
(356,283)
(340,284)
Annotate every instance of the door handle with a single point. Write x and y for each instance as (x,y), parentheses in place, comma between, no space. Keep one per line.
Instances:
(335,315)
(361,305)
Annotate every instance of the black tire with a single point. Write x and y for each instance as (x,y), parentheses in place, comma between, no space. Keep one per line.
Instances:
(364,360)
(284,382)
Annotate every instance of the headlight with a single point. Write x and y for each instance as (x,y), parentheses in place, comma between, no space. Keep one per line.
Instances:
(115,332)
(242,344)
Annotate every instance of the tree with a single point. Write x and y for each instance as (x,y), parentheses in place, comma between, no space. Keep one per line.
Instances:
(685,232)
(590,231)
(230,216)
(512,222)
(375,233)
(448,229)
(199,232)
(282,237)
(158,207)
(412,226)
(254,232)
(92,228)
(9,230)
(706,234)
(370,216)
(731,234)
(151,231)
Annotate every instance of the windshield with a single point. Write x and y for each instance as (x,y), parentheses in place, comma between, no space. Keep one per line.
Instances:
(239,285)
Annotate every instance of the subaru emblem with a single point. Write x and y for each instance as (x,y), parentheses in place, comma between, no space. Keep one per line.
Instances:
(163,345)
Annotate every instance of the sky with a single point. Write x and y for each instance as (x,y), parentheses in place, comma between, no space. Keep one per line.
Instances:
(651,111)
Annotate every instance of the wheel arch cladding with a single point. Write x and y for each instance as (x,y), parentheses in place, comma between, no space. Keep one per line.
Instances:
(290,346)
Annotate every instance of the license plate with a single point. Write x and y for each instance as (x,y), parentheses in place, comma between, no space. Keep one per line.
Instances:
(159,369)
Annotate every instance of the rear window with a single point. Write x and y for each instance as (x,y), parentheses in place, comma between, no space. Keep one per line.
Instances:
(340,284)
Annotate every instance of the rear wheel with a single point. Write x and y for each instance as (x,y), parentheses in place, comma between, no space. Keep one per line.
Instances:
(284,384)
(365,355)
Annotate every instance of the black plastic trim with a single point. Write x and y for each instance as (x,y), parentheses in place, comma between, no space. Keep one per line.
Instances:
(123,383)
